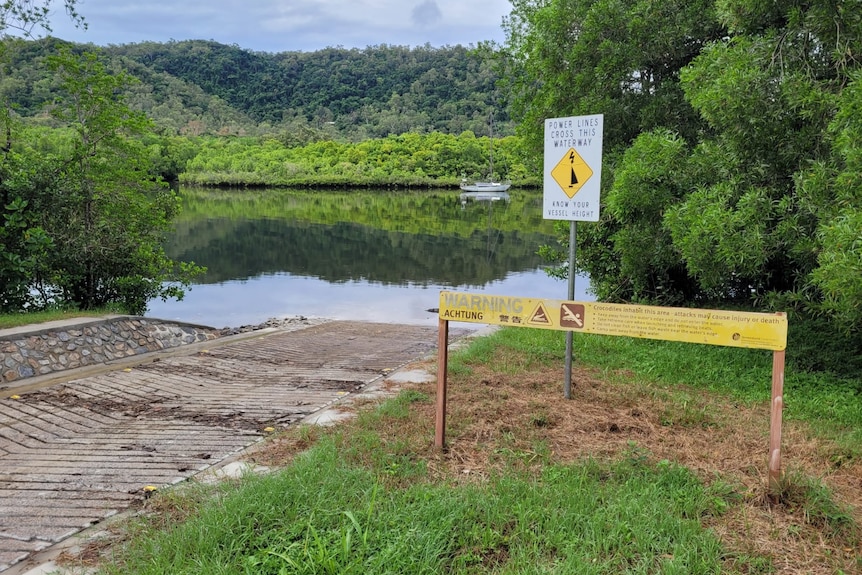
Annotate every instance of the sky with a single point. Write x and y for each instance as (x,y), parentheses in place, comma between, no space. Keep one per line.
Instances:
(287,25)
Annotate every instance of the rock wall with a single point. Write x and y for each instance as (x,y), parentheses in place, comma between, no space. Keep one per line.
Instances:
(89,343)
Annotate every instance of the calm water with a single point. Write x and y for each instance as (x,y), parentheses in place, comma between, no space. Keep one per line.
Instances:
(353,255)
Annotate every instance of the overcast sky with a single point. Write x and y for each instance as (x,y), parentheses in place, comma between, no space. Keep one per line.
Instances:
(287,25)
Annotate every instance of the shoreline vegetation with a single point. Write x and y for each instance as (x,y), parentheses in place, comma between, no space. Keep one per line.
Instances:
(409,160)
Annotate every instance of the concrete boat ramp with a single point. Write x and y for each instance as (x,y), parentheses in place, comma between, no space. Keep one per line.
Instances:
(79,448)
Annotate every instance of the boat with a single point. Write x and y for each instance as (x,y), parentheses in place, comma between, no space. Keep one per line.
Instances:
(490,185)
(484,187)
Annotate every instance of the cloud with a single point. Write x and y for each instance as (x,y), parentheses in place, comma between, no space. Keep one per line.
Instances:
(427,14)
(288,25)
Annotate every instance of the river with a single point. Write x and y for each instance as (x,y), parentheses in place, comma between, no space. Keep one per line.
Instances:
(358,255)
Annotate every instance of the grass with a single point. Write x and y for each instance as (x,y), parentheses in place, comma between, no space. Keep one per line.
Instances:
(19,319)
(656,465)
(326,515)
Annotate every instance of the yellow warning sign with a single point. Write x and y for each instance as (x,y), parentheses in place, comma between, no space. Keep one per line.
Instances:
(713,327)
(571,173)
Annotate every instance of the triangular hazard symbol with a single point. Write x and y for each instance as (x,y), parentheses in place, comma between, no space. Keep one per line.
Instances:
(571,173)
(540,316)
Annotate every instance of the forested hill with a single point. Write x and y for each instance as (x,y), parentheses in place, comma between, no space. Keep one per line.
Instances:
(198,87)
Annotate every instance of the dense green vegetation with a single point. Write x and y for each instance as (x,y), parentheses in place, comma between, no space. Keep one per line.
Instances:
(433,160)
(731,145)
(372,92)
(198,88)
(84,215)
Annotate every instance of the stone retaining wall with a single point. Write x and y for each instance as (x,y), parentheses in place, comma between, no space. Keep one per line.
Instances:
(48,351)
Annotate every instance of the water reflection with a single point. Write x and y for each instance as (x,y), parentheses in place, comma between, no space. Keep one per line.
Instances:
(353,255)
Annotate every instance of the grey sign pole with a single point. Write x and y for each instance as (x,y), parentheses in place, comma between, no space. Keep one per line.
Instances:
(573,236)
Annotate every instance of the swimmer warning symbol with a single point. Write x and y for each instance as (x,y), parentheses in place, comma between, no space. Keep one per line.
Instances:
(572,315)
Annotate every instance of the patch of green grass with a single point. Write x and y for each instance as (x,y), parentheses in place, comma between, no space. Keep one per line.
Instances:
(480,350)
(396,408)
(799,492)
(323,514)
(19,319)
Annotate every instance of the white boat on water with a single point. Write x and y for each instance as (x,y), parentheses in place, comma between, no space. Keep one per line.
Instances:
(480,187)
(489,185)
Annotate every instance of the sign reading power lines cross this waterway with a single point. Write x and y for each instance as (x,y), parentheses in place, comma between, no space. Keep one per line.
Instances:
(573,168)
(705,326)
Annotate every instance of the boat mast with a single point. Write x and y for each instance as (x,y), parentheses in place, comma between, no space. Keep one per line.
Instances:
(491,144)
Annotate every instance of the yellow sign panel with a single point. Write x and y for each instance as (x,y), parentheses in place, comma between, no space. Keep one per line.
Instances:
(571,173)
(713,327)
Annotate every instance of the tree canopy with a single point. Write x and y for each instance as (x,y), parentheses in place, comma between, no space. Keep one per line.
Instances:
(206,88)
(731,150)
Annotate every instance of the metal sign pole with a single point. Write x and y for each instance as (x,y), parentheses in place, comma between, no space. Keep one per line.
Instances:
(573,236)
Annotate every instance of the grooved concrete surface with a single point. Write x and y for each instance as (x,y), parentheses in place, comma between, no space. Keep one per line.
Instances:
(75,453)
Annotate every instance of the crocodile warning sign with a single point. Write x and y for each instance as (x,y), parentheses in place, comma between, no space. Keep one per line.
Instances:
(713,327)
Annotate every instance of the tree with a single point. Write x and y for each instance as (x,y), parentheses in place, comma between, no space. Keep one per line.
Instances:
(777,192)
(24,15)
(621,58)
(617,57)
(110,210)
(24,243)
(85,210)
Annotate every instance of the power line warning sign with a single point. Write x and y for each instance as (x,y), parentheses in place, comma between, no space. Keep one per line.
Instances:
(572,173)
